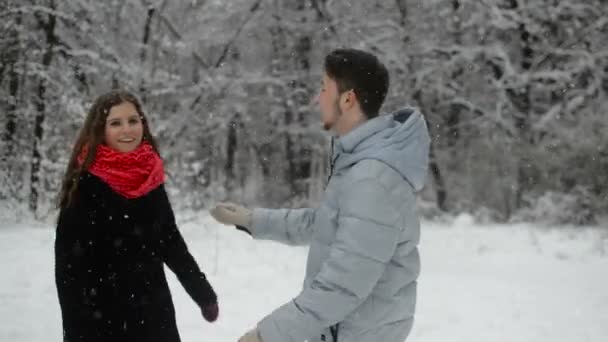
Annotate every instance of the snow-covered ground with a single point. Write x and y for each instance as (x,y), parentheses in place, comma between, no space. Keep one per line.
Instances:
(479,283)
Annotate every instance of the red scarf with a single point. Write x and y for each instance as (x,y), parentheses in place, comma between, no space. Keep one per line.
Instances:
(131,174)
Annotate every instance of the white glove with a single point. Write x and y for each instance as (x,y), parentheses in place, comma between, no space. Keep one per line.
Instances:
(231,214)
(251,336)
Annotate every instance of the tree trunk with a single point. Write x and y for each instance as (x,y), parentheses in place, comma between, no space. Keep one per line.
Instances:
(403,11)
(441,193)
(454,111)
(298,159)
(440,189)
(51,41)
(231,148)
(525,177)
(11,59)
(144,51)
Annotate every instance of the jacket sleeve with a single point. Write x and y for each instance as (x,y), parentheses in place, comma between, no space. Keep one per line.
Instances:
(78,269)
(182,263)
(289,226)
(366,238)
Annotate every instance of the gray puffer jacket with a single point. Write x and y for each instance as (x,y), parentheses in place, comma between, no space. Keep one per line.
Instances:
(363,262)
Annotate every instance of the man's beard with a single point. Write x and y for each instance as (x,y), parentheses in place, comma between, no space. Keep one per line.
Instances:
(336,114)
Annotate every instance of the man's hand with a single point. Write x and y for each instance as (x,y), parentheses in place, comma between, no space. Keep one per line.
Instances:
(251,336)
(232,214)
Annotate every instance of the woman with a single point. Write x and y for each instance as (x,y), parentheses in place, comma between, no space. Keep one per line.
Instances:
(115,231)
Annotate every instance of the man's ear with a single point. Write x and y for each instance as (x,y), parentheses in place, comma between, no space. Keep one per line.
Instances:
(349,98)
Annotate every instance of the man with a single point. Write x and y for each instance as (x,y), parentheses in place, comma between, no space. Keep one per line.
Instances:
(363,262)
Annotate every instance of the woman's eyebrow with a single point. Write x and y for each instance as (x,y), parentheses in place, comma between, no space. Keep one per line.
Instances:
(130,117)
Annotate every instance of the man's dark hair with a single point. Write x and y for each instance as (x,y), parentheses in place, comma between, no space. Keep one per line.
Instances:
(363,73)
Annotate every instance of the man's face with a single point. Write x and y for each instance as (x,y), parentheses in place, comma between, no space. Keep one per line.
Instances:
(328,99)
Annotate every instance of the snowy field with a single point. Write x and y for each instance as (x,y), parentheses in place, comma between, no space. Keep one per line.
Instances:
(478,283)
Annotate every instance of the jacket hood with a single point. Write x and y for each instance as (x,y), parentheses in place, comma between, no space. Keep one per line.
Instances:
(400,140)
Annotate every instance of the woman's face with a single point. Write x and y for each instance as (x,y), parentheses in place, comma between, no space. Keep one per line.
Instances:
(124,129)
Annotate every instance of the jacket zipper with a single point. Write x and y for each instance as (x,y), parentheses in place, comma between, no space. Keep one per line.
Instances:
(334,331)
(331,161)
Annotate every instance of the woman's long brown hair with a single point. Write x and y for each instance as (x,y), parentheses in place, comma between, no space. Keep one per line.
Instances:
(91,135)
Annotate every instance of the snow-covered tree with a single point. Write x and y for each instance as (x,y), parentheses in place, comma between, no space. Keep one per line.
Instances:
(513,92)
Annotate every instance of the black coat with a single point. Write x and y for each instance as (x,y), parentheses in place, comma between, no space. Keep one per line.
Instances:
(109,256)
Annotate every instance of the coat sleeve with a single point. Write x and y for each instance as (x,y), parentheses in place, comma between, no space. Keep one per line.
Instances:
(289,226)
(182,263)
(366,239)
(78,270)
